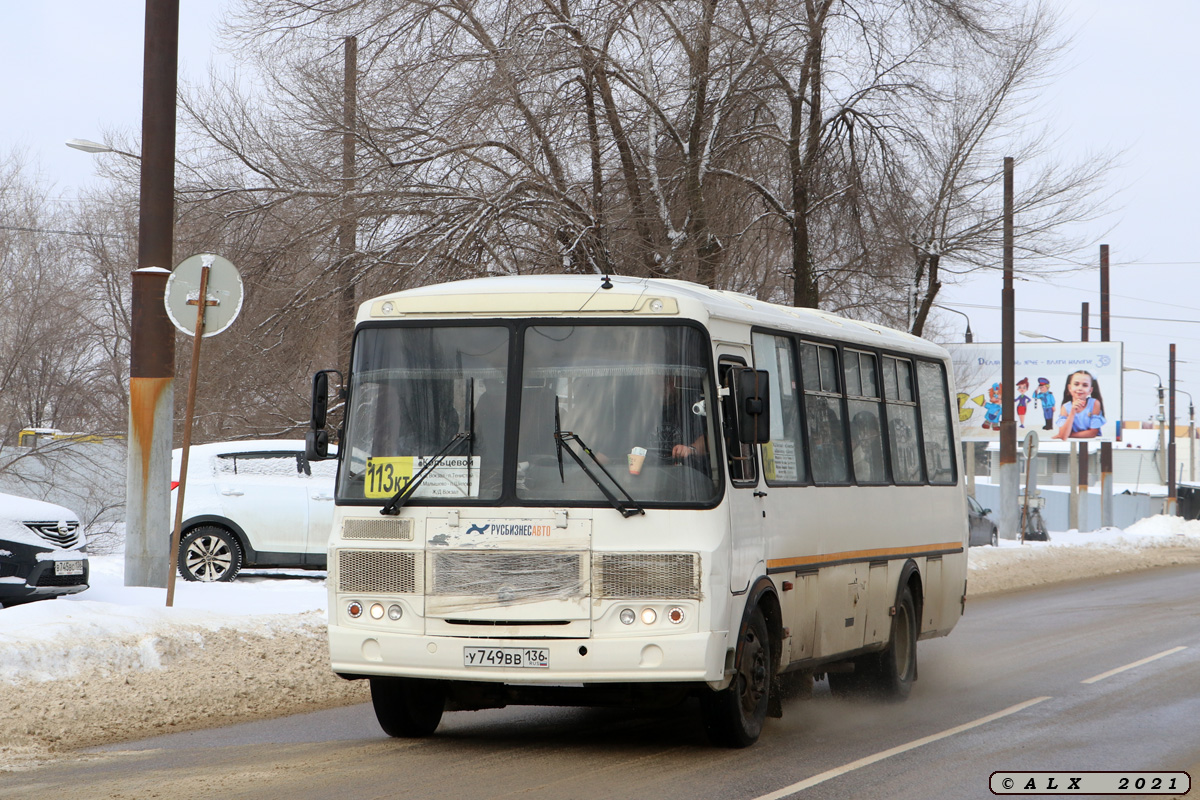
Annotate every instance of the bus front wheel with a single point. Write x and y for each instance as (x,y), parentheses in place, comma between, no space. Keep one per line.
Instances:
(734,716)
(407,707)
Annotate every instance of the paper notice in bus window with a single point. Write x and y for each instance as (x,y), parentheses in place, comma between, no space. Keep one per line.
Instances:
(779,461)
(452,478)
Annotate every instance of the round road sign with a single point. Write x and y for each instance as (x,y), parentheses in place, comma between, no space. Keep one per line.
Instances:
(223,294)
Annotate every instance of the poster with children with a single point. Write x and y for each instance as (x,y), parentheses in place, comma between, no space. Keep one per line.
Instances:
(1067,391)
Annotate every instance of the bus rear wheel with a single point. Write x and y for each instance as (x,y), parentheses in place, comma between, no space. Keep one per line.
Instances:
(407,707)
(734,716)
(888,675)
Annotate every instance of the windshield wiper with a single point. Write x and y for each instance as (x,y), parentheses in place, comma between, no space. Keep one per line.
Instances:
(562,440)
(392,507)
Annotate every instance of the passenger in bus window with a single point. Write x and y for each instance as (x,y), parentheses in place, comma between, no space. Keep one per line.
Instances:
(680,433)
(867,448)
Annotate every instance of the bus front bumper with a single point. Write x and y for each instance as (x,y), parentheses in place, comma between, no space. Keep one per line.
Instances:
(675,658)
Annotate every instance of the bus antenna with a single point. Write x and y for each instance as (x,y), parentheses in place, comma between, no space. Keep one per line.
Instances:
(606,283)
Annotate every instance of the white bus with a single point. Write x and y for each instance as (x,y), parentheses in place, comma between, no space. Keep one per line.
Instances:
(565,490)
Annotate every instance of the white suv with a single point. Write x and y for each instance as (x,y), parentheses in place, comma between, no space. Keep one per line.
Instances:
(253,504)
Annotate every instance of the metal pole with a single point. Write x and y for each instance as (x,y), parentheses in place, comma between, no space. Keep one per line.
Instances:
(1191,440)
(1081,497)
(1162,435)
(152,337)
(202,302)
(348,229)
(1171,496)
(1106,453)
(1009,475)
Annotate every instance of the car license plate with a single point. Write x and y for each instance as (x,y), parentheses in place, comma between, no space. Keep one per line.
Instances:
(527,657)
(68,567)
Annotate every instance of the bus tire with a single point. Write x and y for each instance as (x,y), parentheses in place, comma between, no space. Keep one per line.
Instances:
(890,674)
(734,716)
(209,553)
(407,707)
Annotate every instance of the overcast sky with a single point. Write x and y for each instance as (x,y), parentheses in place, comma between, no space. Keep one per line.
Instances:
(73,70)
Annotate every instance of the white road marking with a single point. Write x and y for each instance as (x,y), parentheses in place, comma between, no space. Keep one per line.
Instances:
(868,760)
(1111,672)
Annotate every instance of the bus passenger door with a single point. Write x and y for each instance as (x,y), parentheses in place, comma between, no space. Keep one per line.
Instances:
(747,504)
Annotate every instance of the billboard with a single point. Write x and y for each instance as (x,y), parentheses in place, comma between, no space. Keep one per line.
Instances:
(1063,390)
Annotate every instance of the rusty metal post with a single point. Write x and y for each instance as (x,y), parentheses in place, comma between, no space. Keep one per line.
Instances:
(1081,497)
(152,337)
(1009,476)
(347,233)
(1172,506)
(202,303)
(1106,453)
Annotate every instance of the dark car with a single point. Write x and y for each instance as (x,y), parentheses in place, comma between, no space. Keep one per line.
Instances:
(43,551)
(983,530)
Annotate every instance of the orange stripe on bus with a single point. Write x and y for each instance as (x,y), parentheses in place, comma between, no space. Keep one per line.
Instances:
(862,555)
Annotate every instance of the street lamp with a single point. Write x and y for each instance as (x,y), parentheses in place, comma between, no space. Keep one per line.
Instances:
(88,146)
(1162,430)
(1033,335)
(968,337)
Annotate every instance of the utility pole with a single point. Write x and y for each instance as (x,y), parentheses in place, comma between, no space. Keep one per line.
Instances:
(148,559)
(1009,476)
(1082,496)
(348,229)
(1162,434)
(1171,496)
(1106,453)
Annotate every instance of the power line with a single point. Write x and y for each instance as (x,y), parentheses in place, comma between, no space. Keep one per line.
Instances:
(64,233)
(1074,314)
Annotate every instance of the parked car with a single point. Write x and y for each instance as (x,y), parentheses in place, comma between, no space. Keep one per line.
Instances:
(253,504)
(43,551)
(983,530)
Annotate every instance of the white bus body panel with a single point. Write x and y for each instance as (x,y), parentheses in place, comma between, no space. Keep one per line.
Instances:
(833,556)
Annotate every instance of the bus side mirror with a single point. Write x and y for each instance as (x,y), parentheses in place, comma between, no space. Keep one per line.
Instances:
(753,405)
(316,441)
(320,400)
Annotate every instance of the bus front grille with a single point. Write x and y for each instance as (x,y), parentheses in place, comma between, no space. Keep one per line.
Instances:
(379,529)
(509,575)
(379,571)
(651,576)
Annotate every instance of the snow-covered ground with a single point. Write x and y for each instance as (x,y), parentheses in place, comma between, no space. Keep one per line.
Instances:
(113,663)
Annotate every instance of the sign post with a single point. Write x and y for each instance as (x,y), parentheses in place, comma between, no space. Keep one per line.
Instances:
(212,287)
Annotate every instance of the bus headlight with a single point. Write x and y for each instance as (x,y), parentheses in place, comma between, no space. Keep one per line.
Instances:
(675,615)
(627,616)
(649,615)
(395,612)
(376,611)
(354,609)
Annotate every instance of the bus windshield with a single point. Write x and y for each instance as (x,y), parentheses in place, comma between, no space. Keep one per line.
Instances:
(638,397)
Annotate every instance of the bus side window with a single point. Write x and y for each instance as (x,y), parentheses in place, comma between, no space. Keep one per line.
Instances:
(743,469)
(783,456)
(935,422)
(866,418)
(823,410)
(902,421)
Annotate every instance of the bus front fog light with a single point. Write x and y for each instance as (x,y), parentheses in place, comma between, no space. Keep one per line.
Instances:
(675,615)
(395,612)
(355,609)
(376,611)
(627,616)
(649,615)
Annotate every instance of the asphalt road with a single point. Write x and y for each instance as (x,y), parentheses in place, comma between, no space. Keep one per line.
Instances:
(1096,675)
